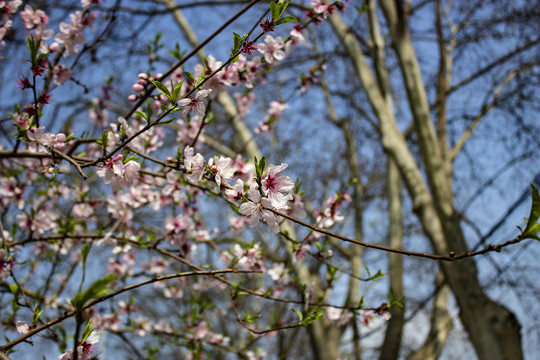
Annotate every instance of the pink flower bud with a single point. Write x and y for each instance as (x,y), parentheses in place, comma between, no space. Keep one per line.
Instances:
(142,76)
(137,87)
(132,98)
(54,47)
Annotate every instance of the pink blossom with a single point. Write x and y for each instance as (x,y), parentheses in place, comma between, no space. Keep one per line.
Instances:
(41,221)
(276,109)
(222,168)
(216,82)
(22,327)
(237,192)
(84,350)
(118,174)
(87,3)
(272,49)
(61,74)
(71,35)
(82,211)
(255,209)
(6,264)
(196,104)
(296,36)
(277,272)
(243,102)
(200,330)
(277,186)
(296,207)
(187,133)
(178,231)
(319,6)
(11,6)
(38,139)
(333,313)
(33,18)
(260,355)
(194,164)
(249,259)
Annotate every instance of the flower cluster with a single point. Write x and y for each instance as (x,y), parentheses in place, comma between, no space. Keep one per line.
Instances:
(71,35)
(7,9)
(274,194)
(272,116)
(117,173)
(39,140)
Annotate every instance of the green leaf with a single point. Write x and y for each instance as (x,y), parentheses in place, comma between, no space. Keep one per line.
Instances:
(286,19)
(36,315)
(379,274)
(176,52)
(201,79)
(274,10)
(176,91)
(84,253)
(312,317)
(87,331)
(104,140)
(188,76)
(97,289)
(361,10)
(141,114)
(249,318)
(533,227)
(149,110)
(299,314)
(162,88)
(70,137)
(278,9)
(14,289)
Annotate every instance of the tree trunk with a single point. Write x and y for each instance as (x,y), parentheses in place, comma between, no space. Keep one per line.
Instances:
(394,327)
(441,324)
(494,331)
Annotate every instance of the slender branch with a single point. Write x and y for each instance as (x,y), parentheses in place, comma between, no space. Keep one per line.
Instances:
(260,332)
(483,112)
(71,161)
(450,257)
(100,299)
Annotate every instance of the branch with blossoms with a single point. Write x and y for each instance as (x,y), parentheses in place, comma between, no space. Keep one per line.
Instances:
(112,294)
(147,217)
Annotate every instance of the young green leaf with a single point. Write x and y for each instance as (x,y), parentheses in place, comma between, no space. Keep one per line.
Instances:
(162,88)
(312,317)
(87,331)
(188,76)
(533,226)
(36,315)
(97,289)
(141,114)
(84,253)
(299,314)
(286,19)
(149,111)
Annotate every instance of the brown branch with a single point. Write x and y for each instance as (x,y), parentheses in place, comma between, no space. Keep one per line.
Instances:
(450,257)
(100,299)
(260,332)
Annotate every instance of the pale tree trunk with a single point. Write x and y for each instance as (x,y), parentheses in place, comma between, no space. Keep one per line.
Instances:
(324,336)
(394,326)
(441,324)
(494,331)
